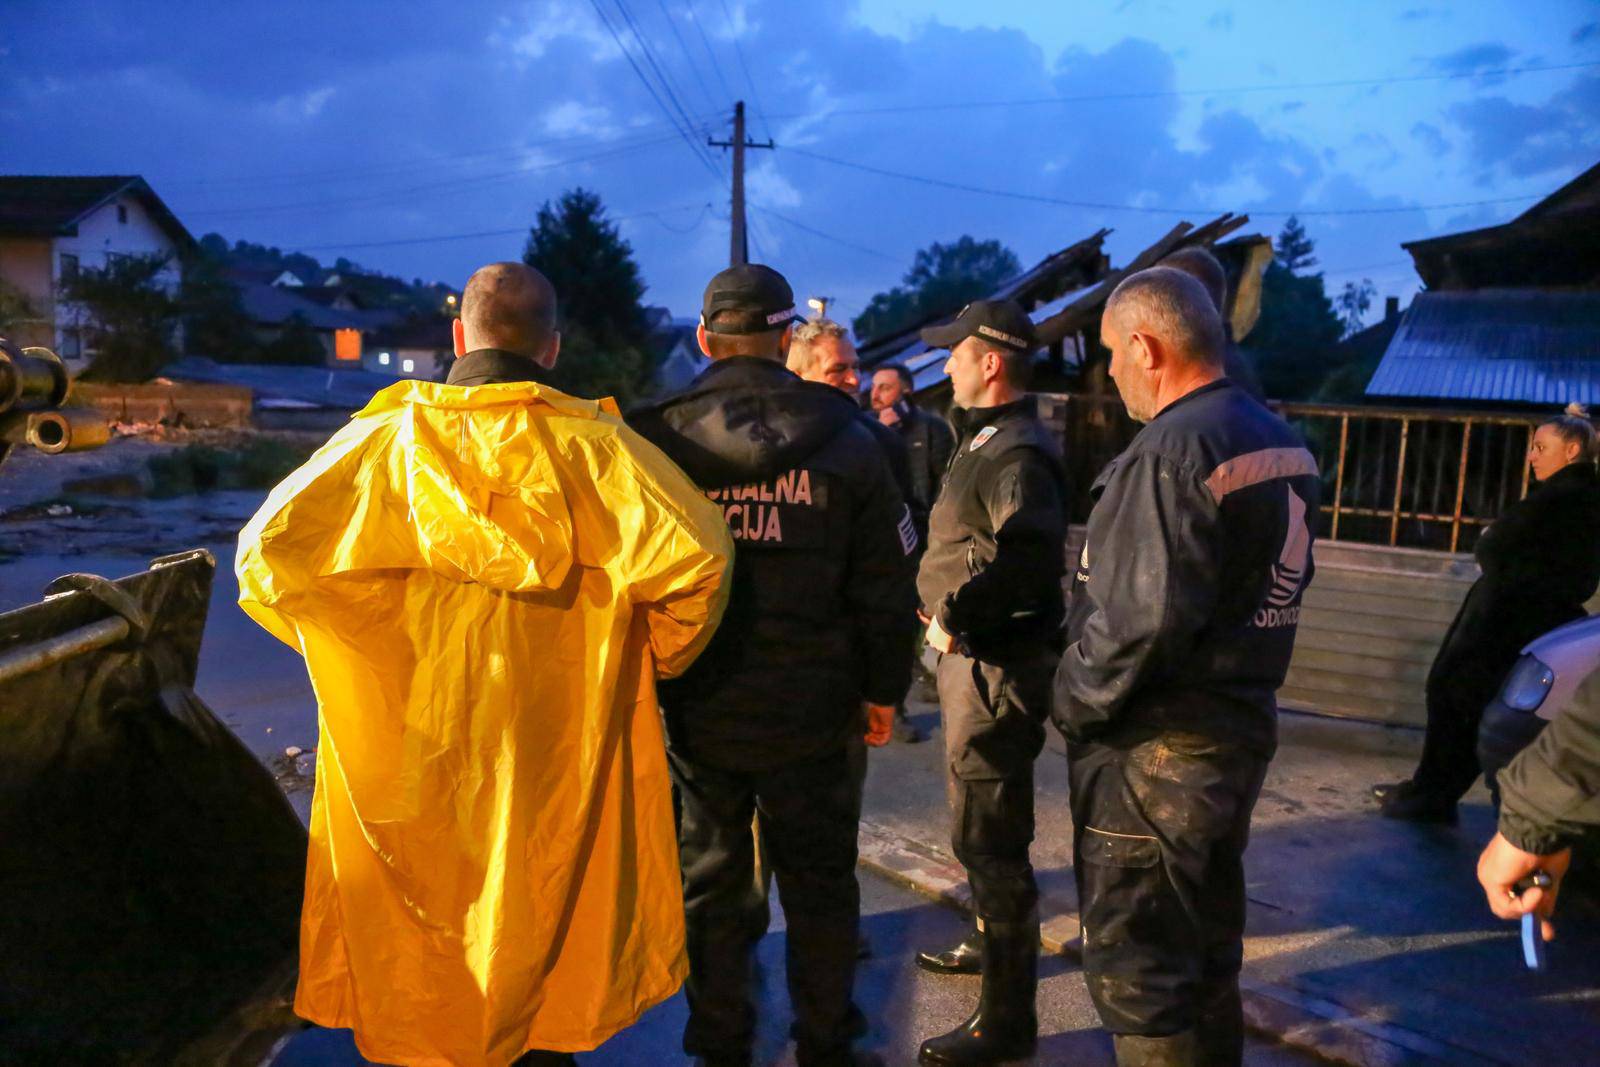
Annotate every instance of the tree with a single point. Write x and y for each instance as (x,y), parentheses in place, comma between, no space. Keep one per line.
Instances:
(942,278)
(1353,303)
(1294,339)
(130,315)
(296,343)
(212,307)
(605,342)
(1295,249)
(17,313)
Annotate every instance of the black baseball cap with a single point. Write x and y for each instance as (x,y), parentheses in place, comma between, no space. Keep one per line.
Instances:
(759,296)
(1001,321)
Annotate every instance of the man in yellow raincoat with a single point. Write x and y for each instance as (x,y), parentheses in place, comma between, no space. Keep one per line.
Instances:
(486,577)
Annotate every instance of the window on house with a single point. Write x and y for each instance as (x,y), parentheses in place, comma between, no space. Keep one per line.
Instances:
(383,359)
(71,345)
(347,345)
(122,212)
(408,365)
(69,266)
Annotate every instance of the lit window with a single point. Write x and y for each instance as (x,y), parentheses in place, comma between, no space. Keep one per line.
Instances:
(383,359)
(347,345)
(408,365)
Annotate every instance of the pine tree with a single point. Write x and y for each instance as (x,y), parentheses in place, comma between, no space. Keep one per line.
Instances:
(1295,249)
(605,342)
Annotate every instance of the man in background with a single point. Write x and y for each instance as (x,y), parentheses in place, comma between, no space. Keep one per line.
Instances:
(929,442)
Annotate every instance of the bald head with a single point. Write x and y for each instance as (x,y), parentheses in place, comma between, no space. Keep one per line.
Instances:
(509,306)
(1198,263)
(1172,307)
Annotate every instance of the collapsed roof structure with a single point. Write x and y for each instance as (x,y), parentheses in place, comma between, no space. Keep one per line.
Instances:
(1065,294)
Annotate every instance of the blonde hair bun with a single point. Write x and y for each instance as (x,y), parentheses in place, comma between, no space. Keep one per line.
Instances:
(1576,410)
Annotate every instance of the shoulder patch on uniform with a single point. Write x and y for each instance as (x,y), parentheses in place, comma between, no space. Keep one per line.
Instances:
(983,436)
(908,531)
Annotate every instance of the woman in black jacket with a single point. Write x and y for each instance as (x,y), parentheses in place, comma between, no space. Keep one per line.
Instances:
(1540,562)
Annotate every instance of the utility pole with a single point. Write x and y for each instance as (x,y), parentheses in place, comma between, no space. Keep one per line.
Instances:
(739,244)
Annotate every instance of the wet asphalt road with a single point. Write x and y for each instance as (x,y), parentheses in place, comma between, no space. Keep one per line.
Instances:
(904,1004)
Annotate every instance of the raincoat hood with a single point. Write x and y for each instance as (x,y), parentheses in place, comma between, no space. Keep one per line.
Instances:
(485,583)
(733,426)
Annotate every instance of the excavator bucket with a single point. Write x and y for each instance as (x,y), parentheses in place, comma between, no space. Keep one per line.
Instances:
(151,869)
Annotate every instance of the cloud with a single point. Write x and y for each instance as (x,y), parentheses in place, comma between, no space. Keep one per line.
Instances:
(1589,31)
(1222,20)
(1508,138)
(298,106)
(532,32)
(1489,55)
(1431,138)
(575,116)
(1414,14)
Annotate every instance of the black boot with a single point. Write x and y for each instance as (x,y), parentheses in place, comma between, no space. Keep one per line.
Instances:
(1005,1026)
(1410,802)
(1176,1050)
(965,958)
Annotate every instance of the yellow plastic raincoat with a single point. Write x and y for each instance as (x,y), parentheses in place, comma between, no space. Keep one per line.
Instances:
(485,583)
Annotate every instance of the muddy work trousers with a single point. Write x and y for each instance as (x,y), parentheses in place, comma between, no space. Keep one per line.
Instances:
(809,813)
(993,722)
(1162,822)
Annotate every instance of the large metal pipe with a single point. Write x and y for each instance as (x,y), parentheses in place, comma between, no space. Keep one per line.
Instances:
(68,430)
(31,379)
(36,657)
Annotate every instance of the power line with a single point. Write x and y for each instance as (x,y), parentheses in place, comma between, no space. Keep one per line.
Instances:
(1155,94)
(683,47)
(655,214)
(406,193)
(705,42)
(797,224)
(694,145)
(738,51)
(649,53)
(413,165)
(1038,198)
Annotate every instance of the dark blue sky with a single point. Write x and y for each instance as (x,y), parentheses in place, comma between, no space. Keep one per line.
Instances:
(345,127)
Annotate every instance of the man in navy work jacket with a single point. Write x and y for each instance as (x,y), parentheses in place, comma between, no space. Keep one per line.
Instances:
(1181,622)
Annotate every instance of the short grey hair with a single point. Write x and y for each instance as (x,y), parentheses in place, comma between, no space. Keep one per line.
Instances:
(802,343)
(1174,306)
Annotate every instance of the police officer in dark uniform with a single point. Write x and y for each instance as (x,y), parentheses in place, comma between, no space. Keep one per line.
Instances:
(1182,620)
(990,588)
(770,717)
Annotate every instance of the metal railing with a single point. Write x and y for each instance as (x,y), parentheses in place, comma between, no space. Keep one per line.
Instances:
(1417,478)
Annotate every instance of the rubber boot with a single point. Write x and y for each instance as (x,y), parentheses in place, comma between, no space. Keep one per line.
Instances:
(965,958)
(1005,1026)
(1175,1050)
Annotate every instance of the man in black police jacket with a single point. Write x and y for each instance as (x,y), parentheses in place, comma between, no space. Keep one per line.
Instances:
(990,586)
(770,715)
(1182,619)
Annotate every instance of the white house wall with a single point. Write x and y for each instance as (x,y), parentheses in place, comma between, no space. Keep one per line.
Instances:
(99,236)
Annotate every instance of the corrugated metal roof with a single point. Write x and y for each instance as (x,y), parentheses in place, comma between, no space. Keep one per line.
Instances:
(273,305)
(1509,345)
(344,389)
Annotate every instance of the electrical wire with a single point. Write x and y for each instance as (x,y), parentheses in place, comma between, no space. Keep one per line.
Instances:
(694,145)
(430,187)
(705,42)
(1157,94)
(653,214)
(649,53)
(738,51)
(683,47)
(797,224)
(1038,198)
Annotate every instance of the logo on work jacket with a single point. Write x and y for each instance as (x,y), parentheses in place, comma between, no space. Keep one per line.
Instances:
(983,436)
(1289,570)
(907,531)
(775,512)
